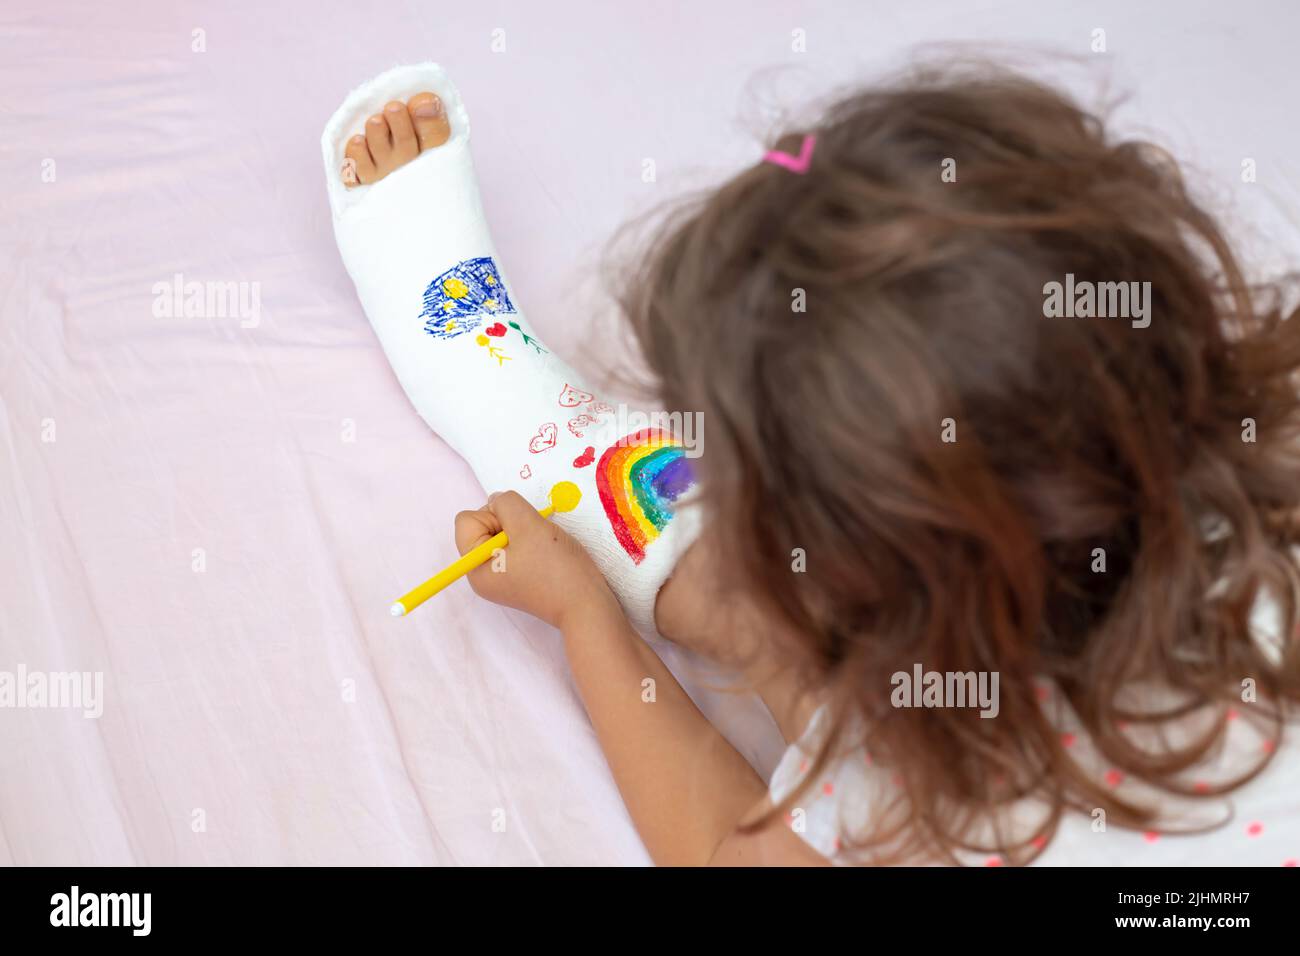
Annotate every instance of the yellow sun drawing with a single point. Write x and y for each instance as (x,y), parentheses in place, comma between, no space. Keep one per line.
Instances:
(455,288)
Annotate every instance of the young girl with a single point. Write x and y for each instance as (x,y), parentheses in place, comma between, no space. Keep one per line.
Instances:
(999,493)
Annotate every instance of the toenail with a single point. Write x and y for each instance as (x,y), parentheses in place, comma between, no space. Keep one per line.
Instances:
(350,172)
(394,107)
(358,140)
(431,109)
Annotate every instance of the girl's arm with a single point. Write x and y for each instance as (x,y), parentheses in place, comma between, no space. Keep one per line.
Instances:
(686,788)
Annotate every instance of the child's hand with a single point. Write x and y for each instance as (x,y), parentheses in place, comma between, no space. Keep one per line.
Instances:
(543,571)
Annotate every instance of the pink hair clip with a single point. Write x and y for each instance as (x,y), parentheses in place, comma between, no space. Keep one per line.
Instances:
(796,164)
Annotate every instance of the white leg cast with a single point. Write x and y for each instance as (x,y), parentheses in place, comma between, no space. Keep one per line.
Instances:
(418,249)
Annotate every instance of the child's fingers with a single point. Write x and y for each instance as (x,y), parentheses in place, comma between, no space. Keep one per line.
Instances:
(472,528)
(512,510)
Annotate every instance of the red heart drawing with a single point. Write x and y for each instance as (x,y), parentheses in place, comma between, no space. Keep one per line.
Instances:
(496,331)
(544,439)
(572,397)
(586,458)
(526,472)
(579,422)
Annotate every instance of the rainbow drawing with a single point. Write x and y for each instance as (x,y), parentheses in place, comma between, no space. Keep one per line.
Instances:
(639,478)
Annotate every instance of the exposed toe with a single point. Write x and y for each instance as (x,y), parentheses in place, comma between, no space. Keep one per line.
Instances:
(429,117)
(380,142)
(405,146)
(358,166)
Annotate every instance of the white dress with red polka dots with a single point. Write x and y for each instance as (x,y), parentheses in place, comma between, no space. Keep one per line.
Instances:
(1258,824)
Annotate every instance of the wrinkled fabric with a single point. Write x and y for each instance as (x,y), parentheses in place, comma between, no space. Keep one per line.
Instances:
(215,512)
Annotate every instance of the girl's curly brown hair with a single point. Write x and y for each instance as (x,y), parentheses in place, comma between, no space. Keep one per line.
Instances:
(1171,448)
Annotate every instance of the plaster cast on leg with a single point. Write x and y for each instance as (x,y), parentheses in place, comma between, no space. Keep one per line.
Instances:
(418,249)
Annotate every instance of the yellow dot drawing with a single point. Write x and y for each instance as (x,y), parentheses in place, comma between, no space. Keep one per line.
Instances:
(451,324)
(448,306)
(455,288)
(481,339)
(491,280)
(490,304)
